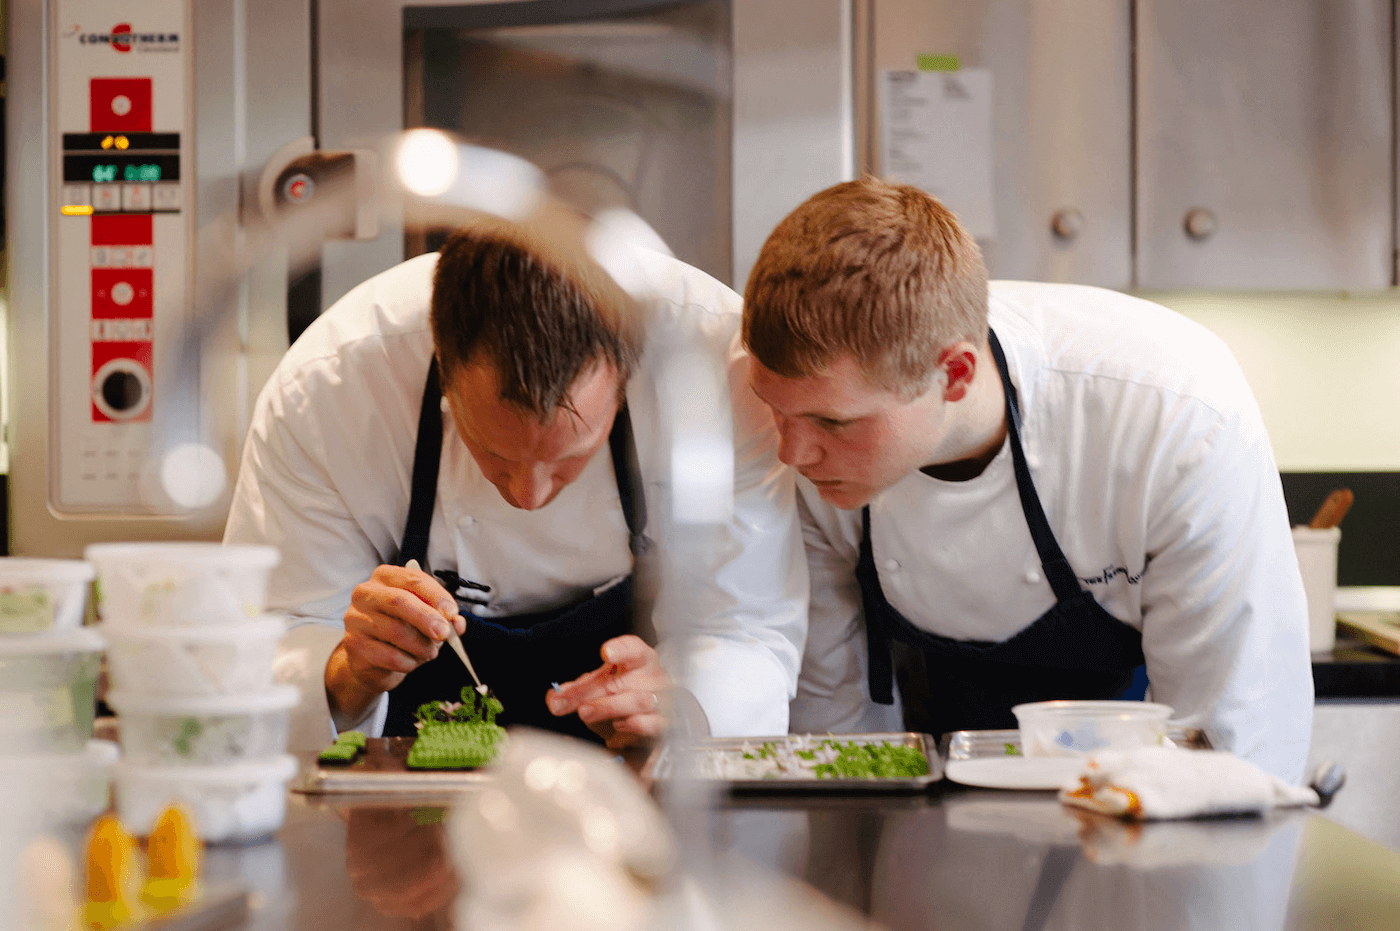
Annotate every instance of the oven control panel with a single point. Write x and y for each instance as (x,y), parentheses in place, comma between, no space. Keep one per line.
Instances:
(121,223)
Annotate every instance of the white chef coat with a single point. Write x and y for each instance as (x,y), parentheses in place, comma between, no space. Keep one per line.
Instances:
(1151,460)
(326,477)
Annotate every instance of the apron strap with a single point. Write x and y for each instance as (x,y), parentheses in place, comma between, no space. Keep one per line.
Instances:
(627,473)
(1052,559)
(427,452)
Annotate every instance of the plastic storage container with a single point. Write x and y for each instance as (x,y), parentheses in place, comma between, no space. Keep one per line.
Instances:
(38,595)
(161,730)
(64,788)
(1074,728)
(228,803)
(48,690)
(220,659)
(180,584)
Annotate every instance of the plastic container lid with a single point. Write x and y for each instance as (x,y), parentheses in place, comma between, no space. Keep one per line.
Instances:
(260,627)
(206,554)
(1091,708)
(277,698)
(19,570)
(97,753)
(74,640)
(280,768)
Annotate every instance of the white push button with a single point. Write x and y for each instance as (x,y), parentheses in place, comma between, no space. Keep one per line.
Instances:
(142,257)
(123,293)
(101,257)
(106,197)
(136,197)
(76,195)
(121,105)
(165,196)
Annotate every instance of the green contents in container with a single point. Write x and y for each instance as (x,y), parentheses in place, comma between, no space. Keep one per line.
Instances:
(190,728)
(26,611)
(457,735)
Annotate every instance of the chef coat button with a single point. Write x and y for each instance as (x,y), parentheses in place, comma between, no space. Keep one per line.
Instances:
(892,565)
(1032,576)
(467,521)
(1032,460)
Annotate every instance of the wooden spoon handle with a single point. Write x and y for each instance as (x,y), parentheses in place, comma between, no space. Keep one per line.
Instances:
(1332,510)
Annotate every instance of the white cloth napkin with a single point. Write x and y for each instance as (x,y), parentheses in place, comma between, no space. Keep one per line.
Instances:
(1168,782)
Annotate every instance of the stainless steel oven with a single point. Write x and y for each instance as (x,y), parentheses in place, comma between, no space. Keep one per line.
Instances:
(151,144)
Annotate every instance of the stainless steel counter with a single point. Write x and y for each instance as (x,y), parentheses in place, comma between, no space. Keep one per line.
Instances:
(947,859)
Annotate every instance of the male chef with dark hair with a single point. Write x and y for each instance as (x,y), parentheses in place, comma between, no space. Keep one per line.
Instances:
(1020,491)
(477,438)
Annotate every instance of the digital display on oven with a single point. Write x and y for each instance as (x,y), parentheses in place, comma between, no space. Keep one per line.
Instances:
(110,169)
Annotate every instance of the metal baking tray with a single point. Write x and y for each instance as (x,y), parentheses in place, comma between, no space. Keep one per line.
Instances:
(977,745)
(381,770)
(666,766)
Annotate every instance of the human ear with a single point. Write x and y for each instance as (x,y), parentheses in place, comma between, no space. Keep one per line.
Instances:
(957,367)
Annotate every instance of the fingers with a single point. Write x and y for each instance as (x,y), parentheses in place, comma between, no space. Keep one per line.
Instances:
(629,652)
(396,623)
(633,703)
(628,664)
(411,578)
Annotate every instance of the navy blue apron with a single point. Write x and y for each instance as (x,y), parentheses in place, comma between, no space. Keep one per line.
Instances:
(519,656)
(1074,650)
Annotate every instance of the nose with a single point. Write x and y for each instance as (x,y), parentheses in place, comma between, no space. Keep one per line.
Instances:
(530,487)
(795,447)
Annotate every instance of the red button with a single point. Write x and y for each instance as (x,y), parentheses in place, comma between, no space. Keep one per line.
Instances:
(119,105)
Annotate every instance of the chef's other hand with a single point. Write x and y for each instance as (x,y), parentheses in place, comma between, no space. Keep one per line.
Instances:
(624,701)
(397,621)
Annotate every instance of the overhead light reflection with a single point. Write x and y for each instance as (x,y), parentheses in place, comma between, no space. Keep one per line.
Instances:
(438,167)
(427,162)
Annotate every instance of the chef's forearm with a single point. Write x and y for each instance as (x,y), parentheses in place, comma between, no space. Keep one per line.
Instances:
(348,697)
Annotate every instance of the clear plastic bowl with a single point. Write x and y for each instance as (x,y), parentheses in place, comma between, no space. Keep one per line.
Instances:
(1075,728)
(38,595)
(48,690)
(65,788)
(228,803)
(164,730)
(223,659)
(180,584)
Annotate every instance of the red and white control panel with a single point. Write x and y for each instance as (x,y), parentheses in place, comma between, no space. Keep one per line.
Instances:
(122,228)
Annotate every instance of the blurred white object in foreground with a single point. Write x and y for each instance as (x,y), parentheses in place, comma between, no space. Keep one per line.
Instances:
(565,838)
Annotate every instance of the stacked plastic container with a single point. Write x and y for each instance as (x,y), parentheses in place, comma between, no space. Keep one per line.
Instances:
(190,660)
(49,666)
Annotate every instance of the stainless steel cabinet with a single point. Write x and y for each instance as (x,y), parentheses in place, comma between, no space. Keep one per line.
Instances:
(1167,144)
(1264,155)
(1061,91)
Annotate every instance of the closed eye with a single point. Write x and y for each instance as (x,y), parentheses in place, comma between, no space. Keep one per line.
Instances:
(830,423)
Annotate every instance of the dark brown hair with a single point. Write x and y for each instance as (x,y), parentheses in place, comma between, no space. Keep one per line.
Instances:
(533,305)
(880,271)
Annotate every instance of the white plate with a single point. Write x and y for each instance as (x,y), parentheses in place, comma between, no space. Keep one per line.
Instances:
(1015,772)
